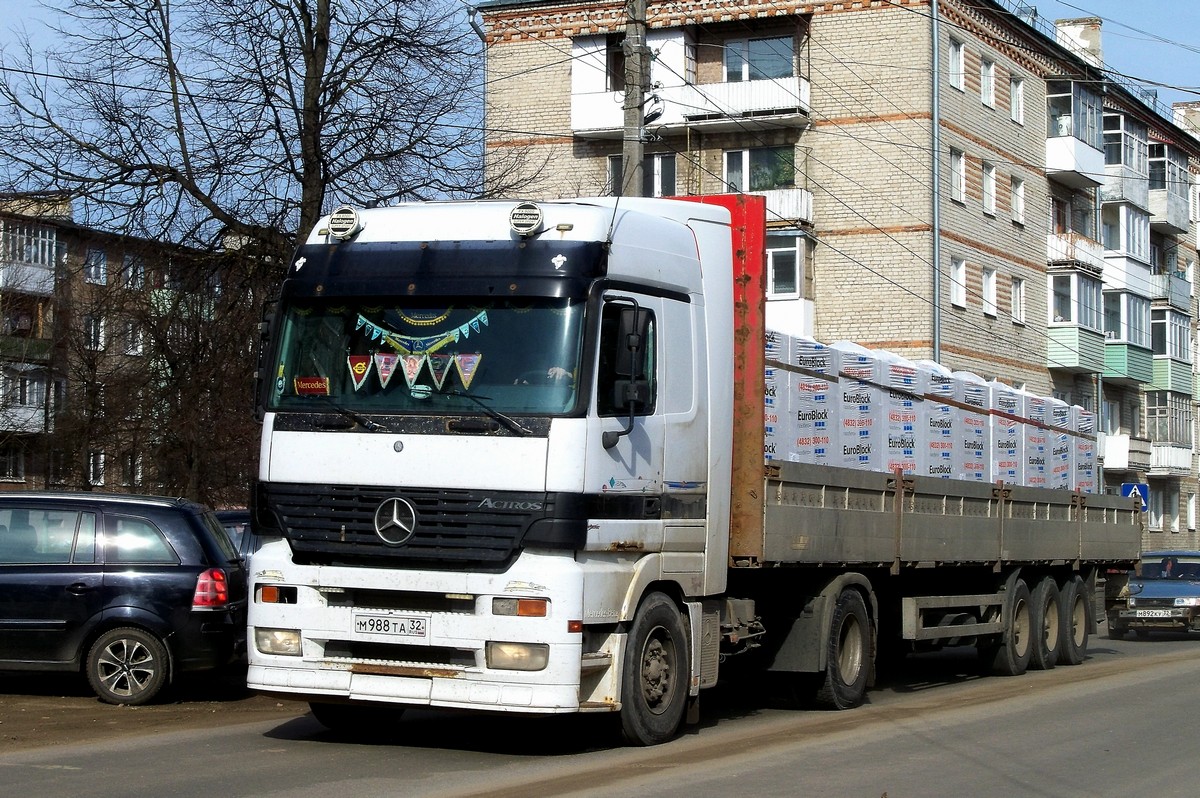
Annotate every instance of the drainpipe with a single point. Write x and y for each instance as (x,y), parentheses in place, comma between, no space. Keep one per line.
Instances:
(936,168)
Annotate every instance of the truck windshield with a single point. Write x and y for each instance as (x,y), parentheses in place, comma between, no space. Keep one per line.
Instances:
(516,356)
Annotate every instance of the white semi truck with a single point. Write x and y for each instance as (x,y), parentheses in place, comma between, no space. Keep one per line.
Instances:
(513,460)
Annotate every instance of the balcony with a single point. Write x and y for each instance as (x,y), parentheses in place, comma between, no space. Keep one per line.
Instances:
(1170,459)
(1168,212)
(792,204)
(742,106)
(1074,348)
(25,350)
(27,278)
(1173,287)
(1073,163)
(1122,184)
(26,419)
(1128,364)
(1072,247)
(1125,453)
(1172,375)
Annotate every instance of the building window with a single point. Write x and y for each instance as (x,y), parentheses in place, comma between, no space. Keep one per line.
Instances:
(614,62)
(958,282)
(1016,99)
(34,244)
(1170,334)
(132,338)
(1127,318)
(955,68)
(1125,143)
(1125,229)
(1168,170)
(958,175)
(12,463)
(131,469)
(989,188)
(759,59)
(30,391)
(133,272)
(93,332)
(58,467)
(95,468)
(784,271)
(1018,300)
(658,175)
(989,291)
(987,82)
(95,266)
(761,169)
(1169,417)
(1017,200)
(1076,299)
(1074,110)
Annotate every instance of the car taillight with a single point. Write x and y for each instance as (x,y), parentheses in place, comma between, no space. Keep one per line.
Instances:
(212,590)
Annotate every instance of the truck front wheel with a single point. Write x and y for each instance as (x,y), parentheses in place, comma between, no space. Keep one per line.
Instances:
(848,660)
(654,676)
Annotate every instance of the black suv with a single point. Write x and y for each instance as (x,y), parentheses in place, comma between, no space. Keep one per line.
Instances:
(133,590)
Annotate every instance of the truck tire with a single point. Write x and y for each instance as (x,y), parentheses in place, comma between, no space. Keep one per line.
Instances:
(1046,613)
(655,673)
(848,661)
(1075,626)
(357,719)
(1010,655)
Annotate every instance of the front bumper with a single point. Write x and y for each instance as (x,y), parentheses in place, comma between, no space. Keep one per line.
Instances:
(1167,618)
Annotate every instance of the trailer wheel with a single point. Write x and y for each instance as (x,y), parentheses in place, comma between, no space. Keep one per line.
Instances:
(1075,628)
(655,673)
(848,662)
(1010,655)
(1046,624)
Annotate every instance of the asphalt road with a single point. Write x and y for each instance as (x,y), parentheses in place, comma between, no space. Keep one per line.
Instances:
(1120,724)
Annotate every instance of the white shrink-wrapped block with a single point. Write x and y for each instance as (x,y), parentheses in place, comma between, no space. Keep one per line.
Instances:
(1036,441)
(862,408)
(940,454)
(1062,445)
(777,426)
(974,396)
(1085,449)
(903,432)
(1008,434)
(813,400)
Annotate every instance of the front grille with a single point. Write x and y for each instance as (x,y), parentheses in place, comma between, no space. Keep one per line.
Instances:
(456,529)
(400,655)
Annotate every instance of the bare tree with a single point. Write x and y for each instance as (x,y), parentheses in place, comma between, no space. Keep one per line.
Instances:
(183,121)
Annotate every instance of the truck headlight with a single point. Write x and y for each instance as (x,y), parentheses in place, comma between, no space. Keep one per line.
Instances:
(517,656)
(282,642)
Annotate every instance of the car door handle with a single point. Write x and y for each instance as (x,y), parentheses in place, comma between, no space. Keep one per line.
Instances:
(79,588)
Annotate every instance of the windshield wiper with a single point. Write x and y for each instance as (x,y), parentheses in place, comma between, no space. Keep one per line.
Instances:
(357,417)
(511,423)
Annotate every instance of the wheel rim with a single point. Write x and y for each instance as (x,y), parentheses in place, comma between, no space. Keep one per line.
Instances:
(126,667)
(1050,625)
(1020,628)
(850,650)
(658,660)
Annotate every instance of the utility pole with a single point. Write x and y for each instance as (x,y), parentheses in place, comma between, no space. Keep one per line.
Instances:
(637,84)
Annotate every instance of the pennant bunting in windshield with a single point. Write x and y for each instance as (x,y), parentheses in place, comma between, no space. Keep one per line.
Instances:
(439,366)
(385,366)
(412,367)
(360,367)
(467,364)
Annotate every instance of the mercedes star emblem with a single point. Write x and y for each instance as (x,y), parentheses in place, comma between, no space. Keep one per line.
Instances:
(395,521)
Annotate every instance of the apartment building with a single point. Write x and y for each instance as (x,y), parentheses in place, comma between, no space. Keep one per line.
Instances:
(994,202)
(75,372)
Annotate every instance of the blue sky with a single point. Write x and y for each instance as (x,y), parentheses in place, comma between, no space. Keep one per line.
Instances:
(1149,39)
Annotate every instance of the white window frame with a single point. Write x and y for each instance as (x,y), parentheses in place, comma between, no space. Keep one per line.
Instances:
(95,266)
(987,82)
(958,175)
(132,337)
(93,333)
(95,468)
(1017,200)
(738,58)
(958,282)
(746,158)
(989,188)
(653,167)
(990,277)
(797,253)
(133,272)
(955,68)
(1016,99)
(1018,300)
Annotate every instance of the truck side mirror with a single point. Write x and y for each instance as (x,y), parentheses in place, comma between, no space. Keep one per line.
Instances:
(631,389)
(262,371)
